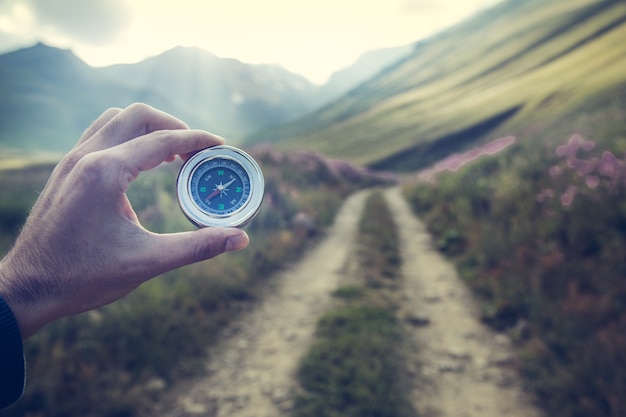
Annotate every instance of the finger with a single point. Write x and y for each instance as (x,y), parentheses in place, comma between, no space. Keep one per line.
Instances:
(98,124)
(148,151)
(171,251)
(185,156)
(134,121)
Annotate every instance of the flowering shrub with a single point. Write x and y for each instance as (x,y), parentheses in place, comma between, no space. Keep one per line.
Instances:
(454,162)
(580,171)
(544,228)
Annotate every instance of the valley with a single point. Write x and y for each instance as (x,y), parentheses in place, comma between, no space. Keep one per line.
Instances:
(505,293)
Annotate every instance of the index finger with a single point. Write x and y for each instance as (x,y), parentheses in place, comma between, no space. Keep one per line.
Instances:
(148,151)
(98,124)
(134,121)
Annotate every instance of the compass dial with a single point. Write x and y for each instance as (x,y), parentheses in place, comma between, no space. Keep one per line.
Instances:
(220,186)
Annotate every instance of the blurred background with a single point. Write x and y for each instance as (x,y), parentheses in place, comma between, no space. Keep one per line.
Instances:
(504,121)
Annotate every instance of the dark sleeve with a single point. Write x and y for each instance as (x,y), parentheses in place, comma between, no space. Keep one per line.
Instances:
(12,376)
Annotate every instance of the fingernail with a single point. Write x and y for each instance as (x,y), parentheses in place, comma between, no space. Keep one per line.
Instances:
(236,242)
(218,137)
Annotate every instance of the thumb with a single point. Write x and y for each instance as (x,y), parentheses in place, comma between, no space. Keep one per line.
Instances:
(178,249)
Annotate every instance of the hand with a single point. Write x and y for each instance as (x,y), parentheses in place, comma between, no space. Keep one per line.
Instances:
(82,246)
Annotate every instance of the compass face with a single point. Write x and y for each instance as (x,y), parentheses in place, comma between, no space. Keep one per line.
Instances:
(220,186)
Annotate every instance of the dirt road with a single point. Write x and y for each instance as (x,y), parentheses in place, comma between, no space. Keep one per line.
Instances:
(250,371)
(460,369)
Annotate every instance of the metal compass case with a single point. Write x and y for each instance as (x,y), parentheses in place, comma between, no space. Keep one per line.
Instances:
(220,186)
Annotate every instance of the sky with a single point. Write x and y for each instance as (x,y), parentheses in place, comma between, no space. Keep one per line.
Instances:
(313,38)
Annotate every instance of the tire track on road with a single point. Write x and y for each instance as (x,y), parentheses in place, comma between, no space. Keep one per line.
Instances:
(250,371)
(460,367)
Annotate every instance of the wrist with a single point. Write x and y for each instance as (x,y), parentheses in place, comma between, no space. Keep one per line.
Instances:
(20,296)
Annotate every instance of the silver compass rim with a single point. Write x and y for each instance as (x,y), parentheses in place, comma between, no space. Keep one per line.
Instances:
(245,213)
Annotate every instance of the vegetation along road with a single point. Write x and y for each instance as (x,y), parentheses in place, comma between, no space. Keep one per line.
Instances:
(455,365)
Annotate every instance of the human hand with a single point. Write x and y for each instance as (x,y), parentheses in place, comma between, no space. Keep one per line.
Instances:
(82,246)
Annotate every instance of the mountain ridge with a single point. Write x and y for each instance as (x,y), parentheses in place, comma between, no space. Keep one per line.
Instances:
(50,95)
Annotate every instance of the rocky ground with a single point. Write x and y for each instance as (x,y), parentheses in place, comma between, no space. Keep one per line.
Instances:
(458,367)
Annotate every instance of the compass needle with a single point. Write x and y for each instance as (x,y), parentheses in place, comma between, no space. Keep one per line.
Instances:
(213,194)
(234,169)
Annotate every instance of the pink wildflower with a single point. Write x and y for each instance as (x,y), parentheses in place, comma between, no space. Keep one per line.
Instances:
(472,154)
(581,166)
(555,171)
(569,150)
(497,145)
(610,166)
(561,150)
(568,196)
(455,162)
(592,181)
(451,163)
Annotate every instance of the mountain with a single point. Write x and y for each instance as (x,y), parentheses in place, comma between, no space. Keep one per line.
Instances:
(499,71)
(365,67)
(49,96)
(223,95)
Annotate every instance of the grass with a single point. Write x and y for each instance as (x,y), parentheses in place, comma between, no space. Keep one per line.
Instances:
(101,363)
(354,367)
(351,369)
(11,159)
(379,246)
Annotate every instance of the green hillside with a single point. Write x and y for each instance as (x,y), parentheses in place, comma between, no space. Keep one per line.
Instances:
(494,74)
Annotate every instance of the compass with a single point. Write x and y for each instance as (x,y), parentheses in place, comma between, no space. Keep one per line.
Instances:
(220,186)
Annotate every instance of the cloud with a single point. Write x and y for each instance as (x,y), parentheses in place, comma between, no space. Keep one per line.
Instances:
(91,21)
(444,7)
(15,18)
(312,37)
(421,6)
(94,22)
